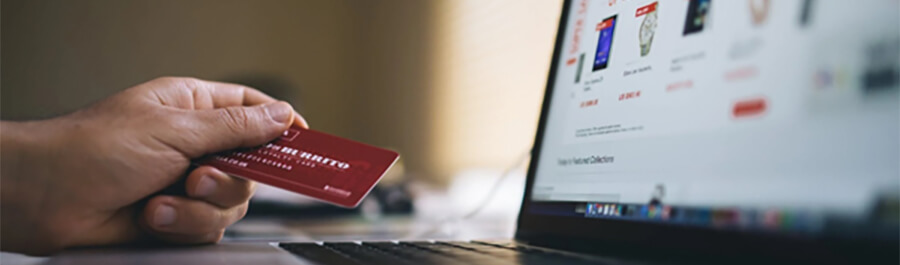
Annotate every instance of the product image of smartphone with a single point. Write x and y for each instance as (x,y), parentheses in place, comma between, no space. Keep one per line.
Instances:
(604,42)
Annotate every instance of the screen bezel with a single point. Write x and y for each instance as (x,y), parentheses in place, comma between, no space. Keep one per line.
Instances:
(628,236)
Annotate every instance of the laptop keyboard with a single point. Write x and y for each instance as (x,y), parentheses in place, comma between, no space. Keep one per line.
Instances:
(421,252)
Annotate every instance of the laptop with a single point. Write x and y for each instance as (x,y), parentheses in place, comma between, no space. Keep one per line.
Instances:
(719,131)
(692,131)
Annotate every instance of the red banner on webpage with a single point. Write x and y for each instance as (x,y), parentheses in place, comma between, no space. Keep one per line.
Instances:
(646,9)
(604,24)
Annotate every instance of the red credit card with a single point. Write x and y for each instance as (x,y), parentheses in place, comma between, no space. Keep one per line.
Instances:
(322,166)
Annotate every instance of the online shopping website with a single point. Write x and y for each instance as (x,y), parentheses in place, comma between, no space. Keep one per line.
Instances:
(787,105)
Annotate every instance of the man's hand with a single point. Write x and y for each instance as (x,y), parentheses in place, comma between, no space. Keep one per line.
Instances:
(93,177)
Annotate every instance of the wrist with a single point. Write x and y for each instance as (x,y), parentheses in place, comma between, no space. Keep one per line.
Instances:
(23,175)
(17,149)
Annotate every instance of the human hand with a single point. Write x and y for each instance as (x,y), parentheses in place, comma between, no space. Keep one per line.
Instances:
(92,177)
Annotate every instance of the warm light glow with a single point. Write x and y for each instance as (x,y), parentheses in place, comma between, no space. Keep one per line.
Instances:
(490,64)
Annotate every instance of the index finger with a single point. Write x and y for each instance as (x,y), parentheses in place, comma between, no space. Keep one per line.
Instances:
(227,95)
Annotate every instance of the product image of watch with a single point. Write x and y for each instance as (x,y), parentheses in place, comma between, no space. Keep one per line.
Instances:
(648,29)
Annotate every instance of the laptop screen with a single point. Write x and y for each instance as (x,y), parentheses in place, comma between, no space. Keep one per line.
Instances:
(760,116)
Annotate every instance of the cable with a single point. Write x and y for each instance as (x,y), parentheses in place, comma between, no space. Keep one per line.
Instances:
(484,202)
(493,191)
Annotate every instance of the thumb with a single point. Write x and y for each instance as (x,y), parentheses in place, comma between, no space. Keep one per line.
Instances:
(232,127)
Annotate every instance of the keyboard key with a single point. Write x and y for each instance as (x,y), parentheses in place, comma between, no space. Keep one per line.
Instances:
(466,255)
(440,253)
(416,255)
(529,252)
(317,253)
(364,254)
(489,250)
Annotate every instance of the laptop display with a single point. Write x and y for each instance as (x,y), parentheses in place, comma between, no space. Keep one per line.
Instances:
(759,117)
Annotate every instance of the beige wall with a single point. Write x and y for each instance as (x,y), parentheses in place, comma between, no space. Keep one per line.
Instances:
(62,55)
(393,92)
(491,63)
(450,84)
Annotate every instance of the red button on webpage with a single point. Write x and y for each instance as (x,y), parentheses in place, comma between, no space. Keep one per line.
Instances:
(749,107)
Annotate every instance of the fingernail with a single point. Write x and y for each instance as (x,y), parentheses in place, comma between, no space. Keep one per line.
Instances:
(280,112)
(165,215)
(206,186)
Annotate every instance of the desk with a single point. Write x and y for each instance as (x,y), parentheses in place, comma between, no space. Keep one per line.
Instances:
(246,240)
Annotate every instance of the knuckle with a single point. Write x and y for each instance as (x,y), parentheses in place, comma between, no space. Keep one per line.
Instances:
(236,119)
(243,88)
(191,83)
(180,81)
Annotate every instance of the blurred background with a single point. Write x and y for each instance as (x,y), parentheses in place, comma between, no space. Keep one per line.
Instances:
(454,86)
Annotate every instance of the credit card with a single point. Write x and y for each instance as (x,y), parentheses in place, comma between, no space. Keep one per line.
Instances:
(326,167)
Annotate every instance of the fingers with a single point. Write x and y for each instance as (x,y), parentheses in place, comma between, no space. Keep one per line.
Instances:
(188,221)
(197,94)
(223,95)
(215,187)
(193,93)
(209,131)
(217,201)
(228,94)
